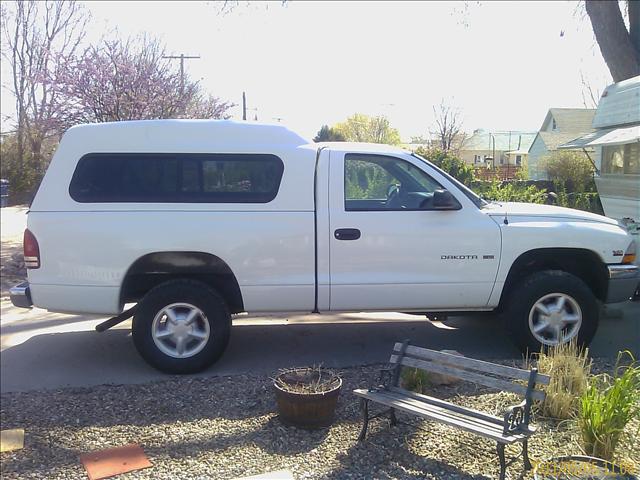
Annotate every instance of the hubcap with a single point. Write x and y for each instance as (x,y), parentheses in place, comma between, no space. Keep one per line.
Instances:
(180,330)
(555,319)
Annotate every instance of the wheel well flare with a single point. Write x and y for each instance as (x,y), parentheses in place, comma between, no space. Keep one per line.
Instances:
(584,264)
(155,268)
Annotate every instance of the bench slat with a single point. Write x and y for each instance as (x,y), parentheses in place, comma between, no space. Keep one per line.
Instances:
(491,423)
(470,412)
(420,409)
(467,375)
(470,363)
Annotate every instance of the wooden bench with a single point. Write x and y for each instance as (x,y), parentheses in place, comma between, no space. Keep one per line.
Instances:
(513,427)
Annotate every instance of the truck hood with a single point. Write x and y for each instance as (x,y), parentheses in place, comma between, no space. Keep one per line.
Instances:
(517,209)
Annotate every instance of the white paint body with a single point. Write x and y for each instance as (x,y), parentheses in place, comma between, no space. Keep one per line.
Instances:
(86,249)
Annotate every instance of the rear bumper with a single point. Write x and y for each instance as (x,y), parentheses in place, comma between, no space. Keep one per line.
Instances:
(21,295)
(623,282)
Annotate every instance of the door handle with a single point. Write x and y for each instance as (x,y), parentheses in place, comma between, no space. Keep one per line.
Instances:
(347,234)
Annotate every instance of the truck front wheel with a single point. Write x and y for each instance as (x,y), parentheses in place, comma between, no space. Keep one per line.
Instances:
(181,326)
(551,308)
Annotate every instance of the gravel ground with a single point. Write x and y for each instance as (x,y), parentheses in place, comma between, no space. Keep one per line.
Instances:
(226,427)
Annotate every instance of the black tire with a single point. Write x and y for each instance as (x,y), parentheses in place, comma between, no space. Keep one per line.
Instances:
(524,295)
(190,292)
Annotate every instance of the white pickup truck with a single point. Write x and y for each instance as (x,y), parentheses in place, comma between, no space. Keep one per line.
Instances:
(195,220)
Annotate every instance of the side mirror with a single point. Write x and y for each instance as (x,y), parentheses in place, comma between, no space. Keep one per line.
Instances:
(443,200)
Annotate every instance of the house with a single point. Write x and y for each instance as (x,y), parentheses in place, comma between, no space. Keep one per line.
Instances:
(560,126)
(616,149)
(496,148)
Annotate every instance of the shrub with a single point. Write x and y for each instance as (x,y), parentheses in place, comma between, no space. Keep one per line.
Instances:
(606,406)
(573,169)
(569,368)
(511,192)
(587,201)
(448,162)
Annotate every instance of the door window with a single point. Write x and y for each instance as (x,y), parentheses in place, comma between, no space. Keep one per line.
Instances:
(378,183)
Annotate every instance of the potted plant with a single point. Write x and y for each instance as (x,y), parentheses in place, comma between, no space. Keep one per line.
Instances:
(307,397)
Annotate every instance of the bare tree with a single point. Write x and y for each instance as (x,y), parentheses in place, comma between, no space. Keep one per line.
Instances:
(448,126)
(620,46)
(37,36)
(590,94)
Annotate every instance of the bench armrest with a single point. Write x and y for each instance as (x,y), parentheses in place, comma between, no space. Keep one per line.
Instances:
(516,419)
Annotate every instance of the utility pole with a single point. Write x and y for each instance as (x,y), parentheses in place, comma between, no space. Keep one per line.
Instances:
(182,57)
(244,106)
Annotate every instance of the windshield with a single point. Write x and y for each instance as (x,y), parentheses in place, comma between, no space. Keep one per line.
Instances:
(477,201)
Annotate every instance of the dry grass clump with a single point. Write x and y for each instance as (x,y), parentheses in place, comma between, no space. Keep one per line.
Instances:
(607,406)
(569,367)
(414,379)
(314,379)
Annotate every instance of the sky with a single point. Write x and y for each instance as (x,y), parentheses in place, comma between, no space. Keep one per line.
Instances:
(503,64)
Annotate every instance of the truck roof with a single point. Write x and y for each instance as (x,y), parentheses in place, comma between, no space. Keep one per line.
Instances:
(191,133)
(362,147)
(219,132)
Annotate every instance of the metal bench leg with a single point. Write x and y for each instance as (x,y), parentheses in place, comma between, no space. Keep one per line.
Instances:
(364,406)
(503,463)
(392,417)
(525,455)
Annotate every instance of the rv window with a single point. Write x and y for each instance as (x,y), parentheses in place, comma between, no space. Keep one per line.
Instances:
(621,159)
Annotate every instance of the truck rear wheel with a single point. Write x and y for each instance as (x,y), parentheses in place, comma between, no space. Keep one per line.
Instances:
(550,308)
(181,326)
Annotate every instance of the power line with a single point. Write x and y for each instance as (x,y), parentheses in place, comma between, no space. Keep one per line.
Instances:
(182,57)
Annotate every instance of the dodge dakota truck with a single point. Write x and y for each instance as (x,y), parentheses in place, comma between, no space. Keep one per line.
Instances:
(183,223)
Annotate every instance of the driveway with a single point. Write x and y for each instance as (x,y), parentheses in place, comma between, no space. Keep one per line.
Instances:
(45,350)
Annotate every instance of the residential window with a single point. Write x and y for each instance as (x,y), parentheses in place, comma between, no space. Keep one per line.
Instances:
(621,159)
(377,182)
(519,160)
(176,178)
(554,125)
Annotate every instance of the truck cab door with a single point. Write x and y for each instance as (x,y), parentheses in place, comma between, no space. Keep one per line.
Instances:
(396,244)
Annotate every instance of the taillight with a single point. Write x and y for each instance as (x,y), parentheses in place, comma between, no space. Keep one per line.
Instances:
(630,254)
(31,250)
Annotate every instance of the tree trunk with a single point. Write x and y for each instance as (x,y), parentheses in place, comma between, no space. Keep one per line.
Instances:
(634,23)
(619,52)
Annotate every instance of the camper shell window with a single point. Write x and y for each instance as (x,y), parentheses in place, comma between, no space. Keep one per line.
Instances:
(176,178)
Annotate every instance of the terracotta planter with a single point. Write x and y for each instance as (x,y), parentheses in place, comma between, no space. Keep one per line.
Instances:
(304,409)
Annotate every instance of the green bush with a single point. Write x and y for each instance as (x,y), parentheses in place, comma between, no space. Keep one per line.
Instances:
(587,201)
(448,162)
(24,174)
(572,168)
(511,192)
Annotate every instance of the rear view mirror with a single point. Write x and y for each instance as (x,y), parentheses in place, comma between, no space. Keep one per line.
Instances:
(443,200)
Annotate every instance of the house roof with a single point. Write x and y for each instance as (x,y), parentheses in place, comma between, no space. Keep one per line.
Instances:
(504,141)
(570,119)
(553,140)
